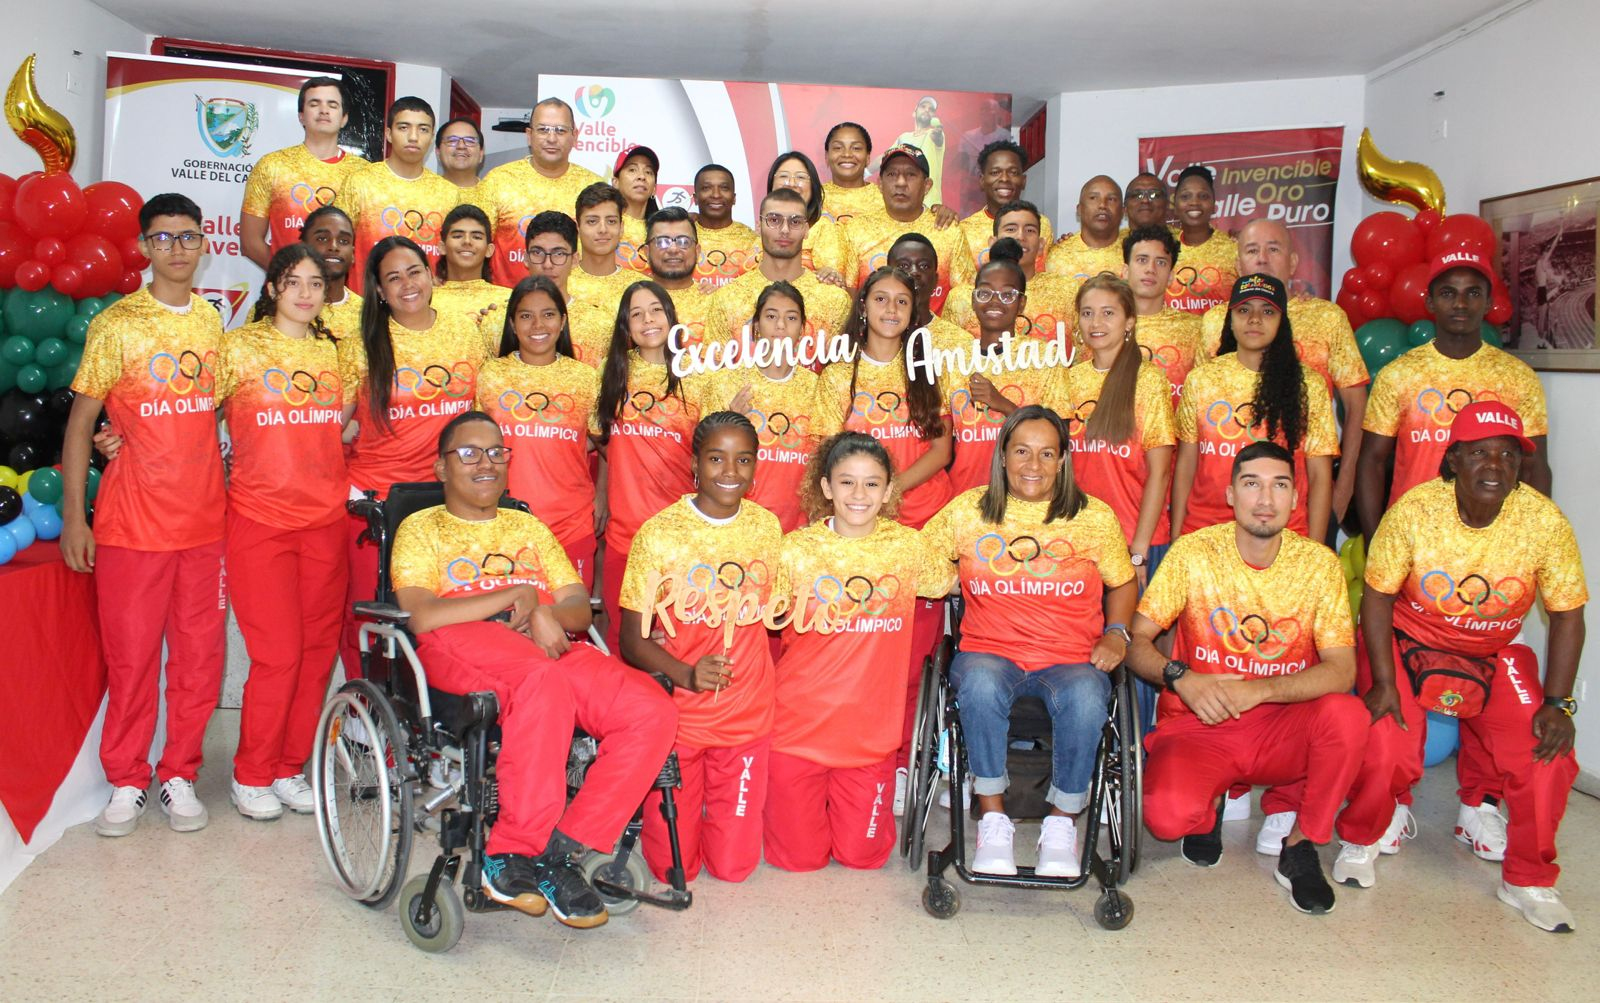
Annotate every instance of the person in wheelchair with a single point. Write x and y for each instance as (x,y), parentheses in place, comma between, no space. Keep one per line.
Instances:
(492,600)
(1259,692)
(1048,590)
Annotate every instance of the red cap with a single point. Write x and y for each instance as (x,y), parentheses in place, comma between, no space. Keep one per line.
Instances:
(637,151)
(1460,259)
(1487,419)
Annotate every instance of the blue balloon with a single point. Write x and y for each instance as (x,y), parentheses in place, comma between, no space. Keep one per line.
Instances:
(1444,734)
(30,503)
(46,522)
(21,530)
(8,548)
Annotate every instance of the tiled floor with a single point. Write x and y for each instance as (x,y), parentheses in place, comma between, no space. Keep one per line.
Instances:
(246,910)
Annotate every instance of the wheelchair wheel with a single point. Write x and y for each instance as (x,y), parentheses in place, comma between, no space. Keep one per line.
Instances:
(446,919)
(360,779)
(1131,736)
(632,873)
(922,779)
(1119,780)
(940,898)
(1113,910)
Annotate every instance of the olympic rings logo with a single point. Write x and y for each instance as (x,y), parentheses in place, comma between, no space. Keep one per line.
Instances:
(1206,281)
(422,227)
(775,428)
(1165,356)
(729,576)
(300,388)
(1077,419)
(522,225)
(879,408)
(1233,421)
(1443,405)
(1473,594)
(186,372)
(536,406)
(968,411)
(311,199)
(435,380)
(857,595)
(1023,553)
(729,263)
(642,404)
(1043,325)
(465,571)
(1252,633)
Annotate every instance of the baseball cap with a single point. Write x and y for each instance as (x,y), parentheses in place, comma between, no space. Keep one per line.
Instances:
(637,151)
(1460,259)
(1487,419)
(908,151)
(1259,287)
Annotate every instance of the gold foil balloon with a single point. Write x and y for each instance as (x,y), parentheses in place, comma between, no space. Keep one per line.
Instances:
(1399,181)
(38,124)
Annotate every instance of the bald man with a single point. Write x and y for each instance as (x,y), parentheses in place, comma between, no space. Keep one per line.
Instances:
(1097,246)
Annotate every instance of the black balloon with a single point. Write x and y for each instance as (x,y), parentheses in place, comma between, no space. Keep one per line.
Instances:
(23,456)
(10,504)
(61,405)
(22,416)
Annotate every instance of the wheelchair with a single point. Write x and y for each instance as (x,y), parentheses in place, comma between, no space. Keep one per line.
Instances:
(939,752)
(395,757)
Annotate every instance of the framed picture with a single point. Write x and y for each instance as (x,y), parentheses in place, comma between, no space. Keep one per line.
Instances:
(1547,258)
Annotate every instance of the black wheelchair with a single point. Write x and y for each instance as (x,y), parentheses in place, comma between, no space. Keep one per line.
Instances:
(939,752)
(395,757)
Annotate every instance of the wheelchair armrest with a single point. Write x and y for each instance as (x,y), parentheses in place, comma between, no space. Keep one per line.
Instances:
(369,509)
(382,612)
(666,683)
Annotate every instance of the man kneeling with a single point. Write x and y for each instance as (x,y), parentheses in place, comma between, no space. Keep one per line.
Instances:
(460,564)
(1264,696)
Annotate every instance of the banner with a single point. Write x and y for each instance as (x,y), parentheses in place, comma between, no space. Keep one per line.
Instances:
(1289,175)
(197,128)
(744,126)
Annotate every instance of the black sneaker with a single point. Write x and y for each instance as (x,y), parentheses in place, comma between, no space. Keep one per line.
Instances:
(568,892)
(511,879)
(1205,849)
(1300,871)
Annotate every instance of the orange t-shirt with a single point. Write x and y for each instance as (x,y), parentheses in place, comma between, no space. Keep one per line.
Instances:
(870,238)
(450,556)
(1233,618)
(287,185)
(1116,473)
(156,370)
(543,413)
(283,400)
(603,292)
(693,306)
(725,254)
(833,687)
(435,373)
(712,559)
(1051,307)
(734,305)
(1071,257)
(649,461)
(1033,589)
(1322,338)
(511,195)
(383,204)
(781,411)
(1170,339)
(978,228)
(481,302)
(844,204)
(975,428)
(1204,274)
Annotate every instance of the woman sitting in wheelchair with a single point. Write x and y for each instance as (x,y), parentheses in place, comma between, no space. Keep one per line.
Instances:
(1048,591)
(462,568)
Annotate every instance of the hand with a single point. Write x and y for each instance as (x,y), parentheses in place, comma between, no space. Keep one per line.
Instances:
(602,515)
(547,633)
(984,392)
(741,400)
(1244,694)
(484,314)
(524,600)
(77,545)
(1203,693)
(944,217)
(226,448)
(1555,732)
(711,672)
(1108,652)
(107,443)
(1141,573)
(830,277)
(1384,699)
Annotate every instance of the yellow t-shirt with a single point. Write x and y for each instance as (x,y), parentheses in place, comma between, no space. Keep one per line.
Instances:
(1116,472)
(871,237)
(843,204)
(826,247)
(693,307)
(1071,257)
(1322,337)
(1170,339)
(450,556)
(512,194)
(481,302)
(725,254)
(1233,618)
(290,184)
(1204,274)
(603,291)
(344,318)
(1468,590)
(781,411)
(979,231)
(630,249)
(1052,306)
(591,328)
(383,204)
(476,195)
(734,305)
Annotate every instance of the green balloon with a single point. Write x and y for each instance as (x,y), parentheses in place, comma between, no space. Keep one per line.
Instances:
(1380,342)
(31,379)
(50,352)
(1491,335)
(78,329)
(45,485)
(61,376)
(39,315)
(17,350)
(1420,333)
(109,298)
(8,376)
(90,305)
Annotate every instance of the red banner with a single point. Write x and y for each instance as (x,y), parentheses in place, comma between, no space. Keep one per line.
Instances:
(1289,175)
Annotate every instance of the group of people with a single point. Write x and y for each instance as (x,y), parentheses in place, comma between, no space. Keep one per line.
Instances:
(777,542)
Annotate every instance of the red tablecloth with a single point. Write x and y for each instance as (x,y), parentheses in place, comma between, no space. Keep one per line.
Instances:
(51,678)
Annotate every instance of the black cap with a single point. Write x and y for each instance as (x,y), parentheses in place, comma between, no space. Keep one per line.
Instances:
(1259,287)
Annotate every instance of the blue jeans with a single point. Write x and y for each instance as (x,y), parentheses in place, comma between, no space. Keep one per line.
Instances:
(1075,695)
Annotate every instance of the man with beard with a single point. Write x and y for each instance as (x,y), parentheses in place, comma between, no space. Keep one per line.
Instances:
(928,136)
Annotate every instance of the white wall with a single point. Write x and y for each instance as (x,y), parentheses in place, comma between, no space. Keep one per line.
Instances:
(56,31)
(1517,110)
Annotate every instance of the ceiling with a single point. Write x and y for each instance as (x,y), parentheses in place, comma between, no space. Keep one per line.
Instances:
(496,48)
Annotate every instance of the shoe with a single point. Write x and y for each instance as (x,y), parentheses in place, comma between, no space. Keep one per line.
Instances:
(994,854)
(1402,826)
(1483,828)
(900,776)
(258,803)
(295,794)
(1354,865)
(1300,871)
(1058,848)
(1539,905)
(511,879)
(1236,809)
(1274,830)
(574,902)
(184,811)
(966,796)
(1204,849)
(121,814)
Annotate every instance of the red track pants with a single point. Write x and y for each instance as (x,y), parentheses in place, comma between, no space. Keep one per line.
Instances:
(719,812)
(815,812)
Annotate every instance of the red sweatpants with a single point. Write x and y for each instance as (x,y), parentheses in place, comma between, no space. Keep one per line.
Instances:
(719,812)
(581,553)
(362,560)
(145,597)
(1189,764)
(540,700)
(927,629)
(1535,793)
(815,812)
(611,572)
(288,589)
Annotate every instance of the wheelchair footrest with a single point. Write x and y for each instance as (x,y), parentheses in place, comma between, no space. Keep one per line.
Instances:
(669,898)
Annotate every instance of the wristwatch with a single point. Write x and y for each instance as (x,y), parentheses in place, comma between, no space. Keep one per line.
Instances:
(1172,672)
(1565,705)
(1119,628)
(1136,559)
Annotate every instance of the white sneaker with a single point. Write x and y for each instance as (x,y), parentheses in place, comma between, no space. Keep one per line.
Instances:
(966,796)
(900,775)
(1402,826)
(295,794)
(184,811)
(994,854)
(1540,906)
(258,803)
(1274,830)
(1237,809)
(1483,828)
(1058,848)
(1354,865)
(121,813)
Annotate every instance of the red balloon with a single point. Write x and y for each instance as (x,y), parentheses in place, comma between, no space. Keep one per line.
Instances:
(1426,220)
(1374,304)
(1461,232)
(1409,294)
(1354,279)
(132,256)
(15,248)
(1387,237)
(51,205)
(98,259)
(50,251)
(1499,308)
(32,276)
(1350,302)
(113,209)
(67,278)
(8,193)
(130,282)
(1379,275)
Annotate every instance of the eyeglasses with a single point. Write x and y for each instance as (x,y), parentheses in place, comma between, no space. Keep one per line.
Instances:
(471,455)
(556,256)
(778,221)
(460,142)
(983,294)
(1146,195)
(188,240)
(668,241)
(556,131)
